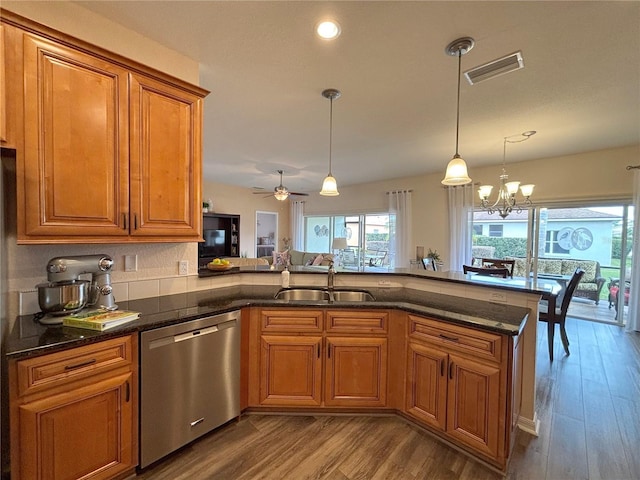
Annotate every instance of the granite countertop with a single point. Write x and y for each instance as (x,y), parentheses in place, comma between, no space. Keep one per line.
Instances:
(29,337)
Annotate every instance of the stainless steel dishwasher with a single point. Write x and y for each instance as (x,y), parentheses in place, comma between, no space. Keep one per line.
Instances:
(190,382)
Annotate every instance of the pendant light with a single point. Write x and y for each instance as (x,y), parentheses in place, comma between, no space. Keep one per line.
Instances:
(457,168)
(329,186)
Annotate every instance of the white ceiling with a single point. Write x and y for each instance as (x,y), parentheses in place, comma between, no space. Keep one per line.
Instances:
(266,69)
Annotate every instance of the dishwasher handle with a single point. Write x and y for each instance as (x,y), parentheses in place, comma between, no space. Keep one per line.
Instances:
(192,335)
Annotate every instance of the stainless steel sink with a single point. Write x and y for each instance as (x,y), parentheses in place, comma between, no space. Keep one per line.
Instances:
(322,294)
(352,296)
(310,294)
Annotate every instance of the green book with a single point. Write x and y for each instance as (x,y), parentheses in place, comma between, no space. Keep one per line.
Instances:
(99,319)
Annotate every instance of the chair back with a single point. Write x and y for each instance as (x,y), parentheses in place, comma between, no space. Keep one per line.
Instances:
(568,293)
(499,263)
(487,272)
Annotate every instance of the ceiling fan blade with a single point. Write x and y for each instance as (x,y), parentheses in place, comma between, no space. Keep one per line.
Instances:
(299,194)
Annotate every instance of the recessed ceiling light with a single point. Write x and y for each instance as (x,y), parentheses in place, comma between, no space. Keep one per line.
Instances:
(328,29)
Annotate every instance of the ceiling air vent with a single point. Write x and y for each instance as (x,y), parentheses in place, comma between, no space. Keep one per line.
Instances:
(495,68)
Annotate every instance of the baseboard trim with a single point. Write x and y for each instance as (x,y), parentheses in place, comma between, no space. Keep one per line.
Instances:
(530,426)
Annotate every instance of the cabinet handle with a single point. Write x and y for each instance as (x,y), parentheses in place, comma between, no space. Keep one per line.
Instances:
(318,348)
(329,351)
(80,365)
(451,339)
(127,392)
(135,221)
(125,225)
(451,370)
(442,368)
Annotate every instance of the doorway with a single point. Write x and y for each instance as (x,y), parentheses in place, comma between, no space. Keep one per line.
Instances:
(266,233)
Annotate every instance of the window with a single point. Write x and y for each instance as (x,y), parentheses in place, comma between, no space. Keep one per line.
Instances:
(367,236)
(477,230)
(555,240)
(496,230)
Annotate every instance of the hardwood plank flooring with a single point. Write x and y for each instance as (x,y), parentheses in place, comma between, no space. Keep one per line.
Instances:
(588,405)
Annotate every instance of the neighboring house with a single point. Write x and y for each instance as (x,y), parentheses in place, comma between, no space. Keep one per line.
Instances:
(567,232)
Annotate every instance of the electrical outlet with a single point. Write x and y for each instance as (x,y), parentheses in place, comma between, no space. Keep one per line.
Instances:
(131,263)
(183,267)
(498,297)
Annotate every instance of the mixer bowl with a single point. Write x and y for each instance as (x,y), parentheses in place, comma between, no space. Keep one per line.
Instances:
(62,298)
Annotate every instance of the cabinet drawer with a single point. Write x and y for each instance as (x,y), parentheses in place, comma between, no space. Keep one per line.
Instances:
(292,320)
(479,343)
(358,321)
(48,371)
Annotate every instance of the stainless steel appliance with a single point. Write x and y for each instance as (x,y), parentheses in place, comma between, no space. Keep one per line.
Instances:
(189,382)
(66,293)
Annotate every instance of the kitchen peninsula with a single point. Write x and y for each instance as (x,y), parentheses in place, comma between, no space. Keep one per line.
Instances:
(416,328)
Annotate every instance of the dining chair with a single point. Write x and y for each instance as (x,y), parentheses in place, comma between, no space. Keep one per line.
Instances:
(499,263)
(487,272)
(559,315)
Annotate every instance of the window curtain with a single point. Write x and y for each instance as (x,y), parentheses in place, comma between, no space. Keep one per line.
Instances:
(633,318)
(296,216)
(460,201)
(400,232)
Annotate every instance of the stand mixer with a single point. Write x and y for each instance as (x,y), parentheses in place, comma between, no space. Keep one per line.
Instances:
(66,293)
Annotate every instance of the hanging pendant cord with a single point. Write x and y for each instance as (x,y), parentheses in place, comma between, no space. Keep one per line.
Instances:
(458,106)
(330,131)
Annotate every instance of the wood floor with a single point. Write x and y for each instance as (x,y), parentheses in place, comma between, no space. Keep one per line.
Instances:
(588,406)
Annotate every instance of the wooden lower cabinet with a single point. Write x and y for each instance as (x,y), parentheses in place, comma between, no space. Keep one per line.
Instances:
(460,382)
(356,372)
(473,406)
(457,383)
(298,368)
(74,413)
(426,398)
(291,370)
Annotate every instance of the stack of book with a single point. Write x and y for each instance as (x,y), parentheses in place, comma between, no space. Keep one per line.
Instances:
(99,319)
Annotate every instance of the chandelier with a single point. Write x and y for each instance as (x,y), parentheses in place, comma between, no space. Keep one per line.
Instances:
(506,201)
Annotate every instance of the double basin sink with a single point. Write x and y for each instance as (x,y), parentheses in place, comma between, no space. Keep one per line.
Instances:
(324,295)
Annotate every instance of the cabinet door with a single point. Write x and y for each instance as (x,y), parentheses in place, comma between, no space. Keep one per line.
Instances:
(86,432)
(76,159)
(3,90)
(290,370)
(166,157)
(426,395)
(473,414)
(356,372)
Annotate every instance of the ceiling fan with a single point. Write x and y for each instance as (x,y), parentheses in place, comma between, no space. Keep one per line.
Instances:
(281,192)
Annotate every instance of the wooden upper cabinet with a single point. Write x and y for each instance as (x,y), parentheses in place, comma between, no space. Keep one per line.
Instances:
(110,151)
(76,159)
(165,159)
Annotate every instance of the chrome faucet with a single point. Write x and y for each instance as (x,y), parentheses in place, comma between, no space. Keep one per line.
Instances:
(330,274)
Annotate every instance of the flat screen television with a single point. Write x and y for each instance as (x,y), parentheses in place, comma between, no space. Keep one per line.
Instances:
(214,243)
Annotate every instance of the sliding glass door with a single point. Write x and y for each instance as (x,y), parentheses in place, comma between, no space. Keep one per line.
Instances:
(560,238)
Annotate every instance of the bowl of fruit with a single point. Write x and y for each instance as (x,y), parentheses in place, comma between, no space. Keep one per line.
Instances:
(218,264)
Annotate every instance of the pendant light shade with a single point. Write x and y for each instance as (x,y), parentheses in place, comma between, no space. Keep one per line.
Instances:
(329,185)
(456,173)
